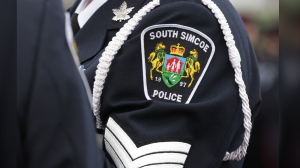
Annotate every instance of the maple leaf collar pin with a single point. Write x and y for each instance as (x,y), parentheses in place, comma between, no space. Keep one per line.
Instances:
(122,13)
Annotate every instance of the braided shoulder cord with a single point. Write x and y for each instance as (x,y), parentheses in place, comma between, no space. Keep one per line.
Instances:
(235,59)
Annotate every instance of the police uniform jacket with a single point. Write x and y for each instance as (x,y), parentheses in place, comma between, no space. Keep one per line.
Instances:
(54,117)
(170,98)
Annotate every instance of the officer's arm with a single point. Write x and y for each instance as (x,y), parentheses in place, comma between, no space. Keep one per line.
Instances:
(199,109)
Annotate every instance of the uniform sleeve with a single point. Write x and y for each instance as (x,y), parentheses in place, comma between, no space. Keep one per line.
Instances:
(170,96)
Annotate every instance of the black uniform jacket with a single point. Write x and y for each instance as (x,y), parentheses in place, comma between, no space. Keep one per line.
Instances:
(166,119)
(55,123)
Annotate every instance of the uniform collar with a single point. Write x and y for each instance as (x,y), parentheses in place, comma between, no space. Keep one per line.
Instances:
(91,36)
(82,5)
(85,12)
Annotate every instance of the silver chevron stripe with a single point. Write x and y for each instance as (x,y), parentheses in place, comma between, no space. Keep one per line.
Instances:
(127,155)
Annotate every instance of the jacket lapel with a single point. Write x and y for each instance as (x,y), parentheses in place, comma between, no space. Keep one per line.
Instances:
(91,37)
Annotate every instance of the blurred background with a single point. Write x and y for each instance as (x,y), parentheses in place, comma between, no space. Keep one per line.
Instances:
(261,19)
(289,83)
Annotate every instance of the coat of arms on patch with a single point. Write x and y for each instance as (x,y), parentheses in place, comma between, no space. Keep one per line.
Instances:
(175,59)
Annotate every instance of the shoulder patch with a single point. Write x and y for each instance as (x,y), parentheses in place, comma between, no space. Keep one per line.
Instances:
(175,59)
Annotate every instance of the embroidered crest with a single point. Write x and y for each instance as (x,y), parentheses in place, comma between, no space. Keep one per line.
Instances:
(175,59)
(122,13)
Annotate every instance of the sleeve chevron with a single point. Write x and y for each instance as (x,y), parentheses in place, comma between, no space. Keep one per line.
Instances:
(126,154)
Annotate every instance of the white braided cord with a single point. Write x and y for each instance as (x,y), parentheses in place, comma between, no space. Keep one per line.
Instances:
(235,59)
(108,55)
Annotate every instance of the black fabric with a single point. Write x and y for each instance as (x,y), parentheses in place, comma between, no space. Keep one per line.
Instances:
(213,120)
(54,115)
(8,92)
(74,23)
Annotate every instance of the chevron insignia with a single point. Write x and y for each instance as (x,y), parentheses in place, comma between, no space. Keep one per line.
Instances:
(126,154)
